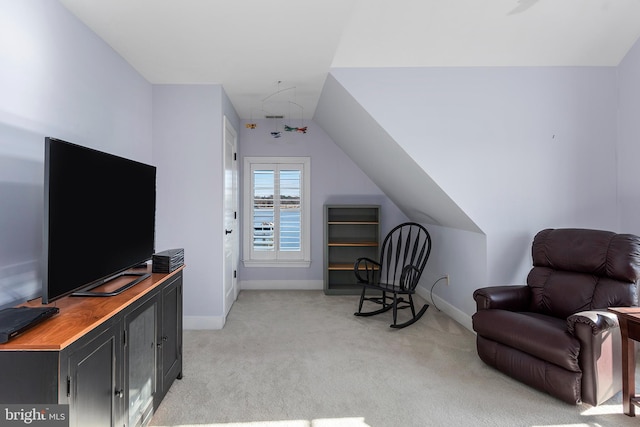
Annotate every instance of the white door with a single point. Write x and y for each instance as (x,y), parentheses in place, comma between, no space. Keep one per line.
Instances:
(231,232)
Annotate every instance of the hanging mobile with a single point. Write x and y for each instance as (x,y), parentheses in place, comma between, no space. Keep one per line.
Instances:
(301,129)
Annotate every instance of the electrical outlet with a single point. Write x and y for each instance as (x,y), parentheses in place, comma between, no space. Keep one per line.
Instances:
(447,276)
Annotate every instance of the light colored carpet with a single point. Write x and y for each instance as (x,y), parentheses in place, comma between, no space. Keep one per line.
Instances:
(300,358)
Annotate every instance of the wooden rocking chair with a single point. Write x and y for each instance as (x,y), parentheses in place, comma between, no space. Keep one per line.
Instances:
(403,256)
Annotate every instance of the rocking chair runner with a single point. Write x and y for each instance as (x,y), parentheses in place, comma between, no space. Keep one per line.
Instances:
(403,256)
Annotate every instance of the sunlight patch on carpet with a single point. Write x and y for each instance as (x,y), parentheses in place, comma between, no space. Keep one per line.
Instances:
(603,410)
(321,422)
(568,425)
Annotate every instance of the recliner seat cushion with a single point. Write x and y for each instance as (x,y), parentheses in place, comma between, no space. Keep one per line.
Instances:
(552,341)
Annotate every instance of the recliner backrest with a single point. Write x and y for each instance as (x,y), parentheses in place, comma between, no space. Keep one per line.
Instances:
(578,269)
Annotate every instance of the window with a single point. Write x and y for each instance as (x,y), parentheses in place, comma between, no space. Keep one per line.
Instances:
(276,212)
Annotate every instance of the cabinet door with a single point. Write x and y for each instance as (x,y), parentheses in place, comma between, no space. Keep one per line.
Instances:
(170,338)
(93,383)
(140,362)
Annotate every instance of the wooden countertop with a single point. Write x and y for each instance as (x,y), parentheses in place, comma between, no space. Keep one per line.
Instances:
(79,315)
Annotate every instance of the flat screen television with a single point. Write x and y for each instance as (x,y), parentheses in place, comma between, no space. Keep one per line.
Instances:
(99,219)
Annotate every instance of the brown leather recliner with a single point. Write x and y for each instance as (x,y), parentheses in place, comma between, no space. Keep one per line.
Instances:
(555,333)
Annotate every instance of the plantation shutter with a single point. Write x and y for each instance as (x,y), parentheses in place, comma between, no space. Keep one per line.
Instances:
(276,211)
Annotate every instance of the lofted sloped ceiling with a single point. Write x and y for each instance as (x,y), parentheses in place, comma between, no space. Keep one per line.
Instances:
(249,45)
(255,48)
(385,162)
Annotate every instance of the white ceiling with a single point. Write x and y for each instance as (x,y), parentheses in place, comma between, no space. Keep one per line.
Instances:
(249,46)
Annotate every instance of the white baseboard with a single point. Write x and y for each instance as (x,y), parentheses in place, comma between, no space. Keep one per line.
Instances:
(217,322)
(272,285)
(456,314)
(202,322)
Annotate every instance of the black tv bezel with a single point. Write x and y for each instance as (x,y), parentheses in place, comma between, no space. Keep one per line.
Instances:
(85,289)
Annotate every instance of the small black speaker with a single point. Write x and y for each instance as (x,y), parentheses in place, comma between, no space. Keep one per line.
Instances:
(167,261)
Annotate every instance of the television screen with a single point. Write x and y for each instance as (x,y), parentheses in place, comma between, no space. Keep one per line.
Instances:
(99,217)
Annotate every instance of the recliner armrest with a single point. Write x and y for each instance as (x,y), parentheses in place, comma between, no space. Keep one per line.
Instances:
(513,298)
(598,320)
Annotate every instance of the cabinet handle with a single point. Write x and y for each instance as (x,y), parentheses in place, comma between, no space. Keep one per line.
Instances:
(120,393)
(163,340)
(227,231)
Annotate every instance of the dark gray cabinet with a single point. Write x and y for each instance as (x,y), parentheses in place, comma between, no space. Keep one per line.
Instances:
(170,337)
(350,232)
(140,361)
(94,384)
(30,376)
(111,359)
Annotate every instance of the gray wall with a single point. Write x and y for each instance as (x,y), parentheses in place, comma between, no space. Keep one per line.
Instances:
(334,179)
(57,79)
(629,141)
(517,149)
(188,150)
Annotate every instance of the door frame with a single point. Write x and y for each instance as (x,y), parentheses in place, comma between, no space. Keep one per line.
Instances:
(228,129)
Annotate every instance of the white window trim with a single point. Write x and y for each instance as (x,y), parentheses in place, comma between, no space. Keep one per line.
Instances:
(305,234)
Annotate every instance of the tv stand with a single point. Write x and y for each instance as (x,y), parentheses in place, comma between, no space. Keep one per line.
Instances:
(87,292)
(112,360)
